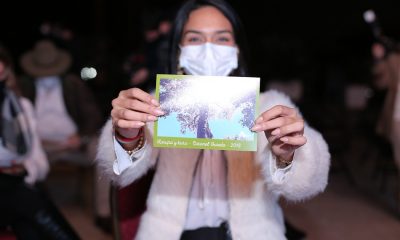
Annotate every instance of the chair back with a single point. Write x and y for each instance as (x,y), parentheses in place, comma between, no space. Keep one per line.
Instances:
(127,206)
(6,234)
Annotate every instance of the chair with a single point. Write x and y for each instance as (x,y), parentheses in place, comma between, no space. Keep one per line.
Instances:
(71,178)
(127,206)
(74,170)
(6,234)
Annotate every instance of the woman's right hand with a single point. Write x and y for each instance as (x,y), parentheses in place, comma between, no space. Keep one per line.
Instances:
(132,109)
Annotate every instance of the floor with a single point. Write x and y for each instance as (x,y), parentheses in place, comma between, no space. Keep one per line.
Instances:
(342,212)
(82,222)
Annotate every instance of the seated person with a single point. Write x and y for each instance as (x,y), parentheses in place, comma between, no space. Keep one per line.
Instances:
(24,206)
(68,116)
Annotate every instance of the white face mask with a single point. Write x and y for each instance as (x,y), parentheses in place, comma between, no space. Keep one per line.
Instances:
(209,59)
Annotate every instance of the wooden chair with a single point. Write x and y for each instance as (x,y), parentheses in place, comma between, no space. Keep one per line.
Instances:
(6,234)
(73,170)
(127,206)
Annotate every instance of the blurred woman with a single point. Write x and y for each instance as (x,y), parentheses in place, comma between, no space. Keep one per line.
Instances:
(23,165)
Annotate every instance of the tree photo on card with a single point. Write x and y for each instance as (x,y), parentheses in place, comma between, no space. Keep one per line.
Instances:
(207,112)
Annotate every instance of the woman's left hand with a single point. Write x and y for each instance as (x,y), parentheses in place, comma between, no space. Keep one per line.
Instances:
(283,128)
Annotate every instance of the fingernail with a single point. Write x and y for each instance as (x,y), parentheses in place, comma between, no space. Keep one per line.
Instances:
(259,120)
(284,139)
(140,124)
(154,102)
(256,128)
(151,118)
(159,112)
(276,132)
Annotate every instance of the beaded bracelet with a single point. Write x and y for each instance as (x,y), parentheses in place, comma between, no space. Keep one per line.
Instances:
(123,139)
(283,163)
(138,147)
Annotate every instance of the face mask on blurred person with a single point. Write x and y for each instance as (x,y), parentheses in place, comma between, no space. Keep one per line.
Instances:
(208,59)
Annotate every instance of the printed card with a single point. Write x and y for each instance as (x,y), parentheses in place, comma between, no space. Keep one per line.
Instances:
(207,112)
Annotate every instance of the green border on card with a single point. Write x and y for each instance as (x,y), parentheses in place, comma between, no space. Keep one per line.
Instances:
(203,143)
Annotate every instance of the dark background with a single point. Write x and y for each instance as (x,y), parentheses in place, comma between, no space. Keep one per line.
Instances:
(325,44)
(284,35)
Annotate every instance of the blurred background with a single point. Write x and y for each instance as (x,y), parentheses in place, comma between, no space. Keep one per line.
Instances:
(311,41)
(318,52)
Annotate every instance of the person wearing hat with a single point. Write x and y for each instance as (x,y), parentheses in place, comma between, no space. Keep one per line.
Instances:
(65,107)
(68,116)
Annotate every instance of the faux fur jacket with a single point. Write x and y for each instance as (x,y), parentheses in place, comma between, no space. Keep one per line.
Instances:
(254,184)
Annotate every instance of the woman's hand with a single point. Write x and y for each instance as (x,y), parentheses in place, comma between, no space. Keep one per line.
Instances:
(284,129)
(132,109)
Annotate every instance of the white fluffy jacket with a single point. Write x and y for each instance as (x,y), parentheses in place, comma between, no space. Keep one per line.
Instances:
(254,185)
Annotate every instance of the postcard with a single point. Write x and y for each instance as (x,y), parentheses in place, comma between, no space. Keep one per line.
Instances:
(207,112)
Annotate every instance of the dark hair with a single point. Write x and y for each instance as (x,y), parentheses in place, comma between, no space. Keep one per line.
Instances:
(181,19)
(11,81)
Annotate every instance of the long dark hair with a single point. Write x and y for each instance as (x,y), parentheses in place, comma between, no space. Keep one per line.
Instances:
(181,19)
(10,81)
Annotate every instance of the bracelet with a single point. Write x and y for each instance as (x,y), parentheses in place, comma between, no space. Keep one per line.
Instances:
(283,163)
(138,147)
(123,139)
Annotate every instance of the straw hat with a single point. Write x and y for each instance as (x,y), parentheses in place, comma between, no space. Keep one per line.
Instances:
(45,60)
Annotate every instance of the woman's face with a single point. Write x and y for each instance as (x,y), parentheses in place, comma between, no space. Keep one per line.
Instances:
(207,24)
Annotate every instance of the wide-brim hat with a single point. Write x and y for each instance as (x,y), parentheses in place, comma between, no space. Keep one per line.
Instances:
(45,60)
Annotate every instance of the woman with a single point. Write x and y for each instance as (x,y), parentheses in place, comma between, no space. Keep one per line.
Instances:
(23,205)
(241,201)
